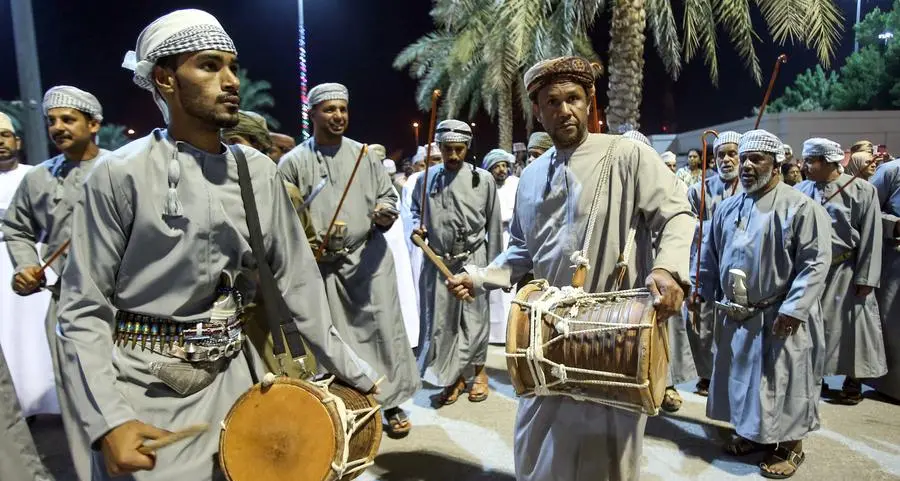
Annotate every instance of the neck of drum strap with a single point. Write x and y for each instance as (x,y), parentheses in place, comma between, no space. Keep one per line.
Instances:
(277,312)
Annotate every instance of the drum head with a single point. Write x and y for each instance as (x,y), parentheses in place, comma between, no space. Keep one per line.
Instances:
(284,432)
(518,336)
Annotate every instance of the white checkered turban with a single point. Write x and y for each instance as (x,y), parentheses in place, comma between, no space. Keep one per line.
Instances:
(421,152)
(637,136)
(495,157)
(73,98)
(328,91)
(541,140)
(819,147)
(6,123)
(178,32)
(762,141)
(727,137)
(452,130)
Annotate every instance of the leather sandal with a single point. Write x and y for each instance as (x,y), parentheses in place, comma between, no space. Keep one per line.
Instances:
(672,401)
(398,424)
(451,393)
(779,456)
(479,391)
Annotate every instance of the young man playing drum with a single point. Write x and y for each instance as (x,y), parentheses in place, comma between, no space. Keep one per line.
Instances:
(558,437)
(462,223)
(162,222)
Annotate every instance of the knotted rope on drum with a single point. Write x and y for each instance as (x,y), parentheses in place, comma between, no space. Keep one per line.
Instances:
(351,420)
(542,311)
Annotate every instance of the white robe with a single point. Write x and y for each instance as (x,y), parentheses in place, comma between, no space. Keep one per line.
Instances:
(416,256)
(500,299)
(409,299)
(558,438)
(22,332)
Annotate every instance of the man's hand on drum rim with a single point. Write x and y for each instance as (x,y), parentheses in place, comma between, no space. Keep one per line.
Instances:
(461,286)
(120,447)
(667,293)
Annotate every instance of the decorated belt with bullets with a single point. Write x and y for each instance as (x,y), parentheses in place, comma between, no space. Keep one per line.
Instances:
(202,341)
(842,258)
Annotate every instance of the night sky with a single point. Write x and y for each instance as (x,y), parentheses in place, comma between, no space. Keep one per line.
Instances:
(353,42)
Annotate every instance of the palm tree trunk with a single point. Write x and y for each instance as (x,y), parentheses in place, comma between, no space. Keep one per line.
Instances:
(626,64)
(505,105)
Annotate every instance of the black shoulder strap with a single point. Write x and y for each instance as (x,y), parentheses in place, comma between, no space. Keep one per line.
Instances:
(277,313)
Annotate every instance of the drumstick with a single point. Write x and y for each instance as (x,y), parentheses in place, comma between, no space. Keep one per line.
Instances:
(417,240)
(55,255)
(152,446)
(783,58)
(429,141)
(321,250)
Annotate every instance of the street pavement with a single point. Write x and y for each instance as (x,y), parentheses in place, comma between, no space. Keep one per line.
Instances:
(473,442)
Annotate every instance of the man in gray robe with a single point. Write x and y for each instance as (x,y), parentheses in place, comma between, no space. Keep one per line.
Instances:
(765,264)
(19,460)
(356,265)
(41,211)
(160,253)
(854,342)
(718,188)
(462,224)
(558,438)
(887,185)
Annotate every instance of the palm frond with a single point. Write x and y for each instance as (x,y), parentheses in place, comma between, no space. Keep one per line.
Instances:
(665,35)
(700,34)
(823,27)
(419,55)
(785,18)
(735,17)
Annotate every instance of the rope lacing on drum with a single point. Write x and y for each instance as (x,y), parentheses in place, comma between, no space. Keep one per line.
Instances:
(351,422)
(542,311)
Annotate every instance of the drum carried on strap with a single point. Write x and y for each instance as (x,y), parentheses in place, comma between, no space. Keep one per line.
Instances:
(605,348)
(296,430)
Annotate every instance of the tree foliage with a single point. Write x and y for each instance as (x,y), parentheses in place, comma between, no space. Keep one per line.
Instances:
(112,136)
(256,97)
(812,91)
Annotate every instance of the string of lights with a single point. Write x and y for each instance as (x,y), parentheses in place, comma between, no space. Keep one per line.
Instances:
(303,79)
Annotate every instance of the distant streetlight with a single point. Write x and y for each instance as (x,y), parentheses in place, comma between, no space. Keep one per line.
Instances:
(130,131)
(416,130)
(472,124)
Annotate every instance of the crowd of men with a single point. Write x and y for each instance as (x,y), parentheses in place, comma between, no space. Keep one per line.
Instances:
(794,280)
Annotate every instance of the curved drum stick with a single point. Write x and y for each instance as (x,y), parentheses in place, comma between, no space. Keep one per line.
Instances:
(152,446)
(783,58)
(55,255)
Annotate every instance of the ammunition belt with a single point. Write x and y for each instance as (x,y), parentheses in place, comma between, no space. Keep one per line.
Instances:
(202,341)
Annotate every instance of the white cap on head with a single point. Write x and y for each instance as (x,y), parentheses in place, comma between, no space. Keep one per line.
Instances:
(181,31)
(74,98)
(452,130)
(762,141)
(669,158)
(727,137)
(819,147)
(6,123)
(328,91)
(421,152)
(495,157)
(389,166)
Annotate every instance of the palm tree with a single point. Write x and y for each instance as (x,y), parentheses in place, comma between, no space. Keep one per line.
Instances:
(15,110)
(112,136)
(814,23)
(255,96)
(477,66)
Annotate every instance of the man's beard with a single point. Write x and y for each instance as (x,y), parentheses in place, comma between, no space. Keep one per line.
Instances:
(761,181)
(567,141)
(728,176)
(193,101)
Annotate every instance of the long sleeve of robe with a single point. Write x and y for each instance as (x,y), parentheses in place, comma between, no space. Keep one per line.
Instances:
(126,253)
(887,186)
(361,286)
(768,388)
(462,207)
(854,344)
(557,437)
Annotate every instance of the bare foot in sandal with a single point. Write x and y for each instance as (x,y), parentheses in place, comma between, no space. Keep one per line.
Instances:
(783,462)
(398,424)
(479,391)
(451,393)
(672,400)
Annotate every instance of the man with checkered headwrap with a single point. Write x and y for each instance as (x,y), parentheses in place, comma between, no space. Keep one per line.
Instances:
(557,437)
(499,162)
(356,264)
(854,342)
(718,188)
(764,265)
(41,212)
(160,263)
(462,224)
